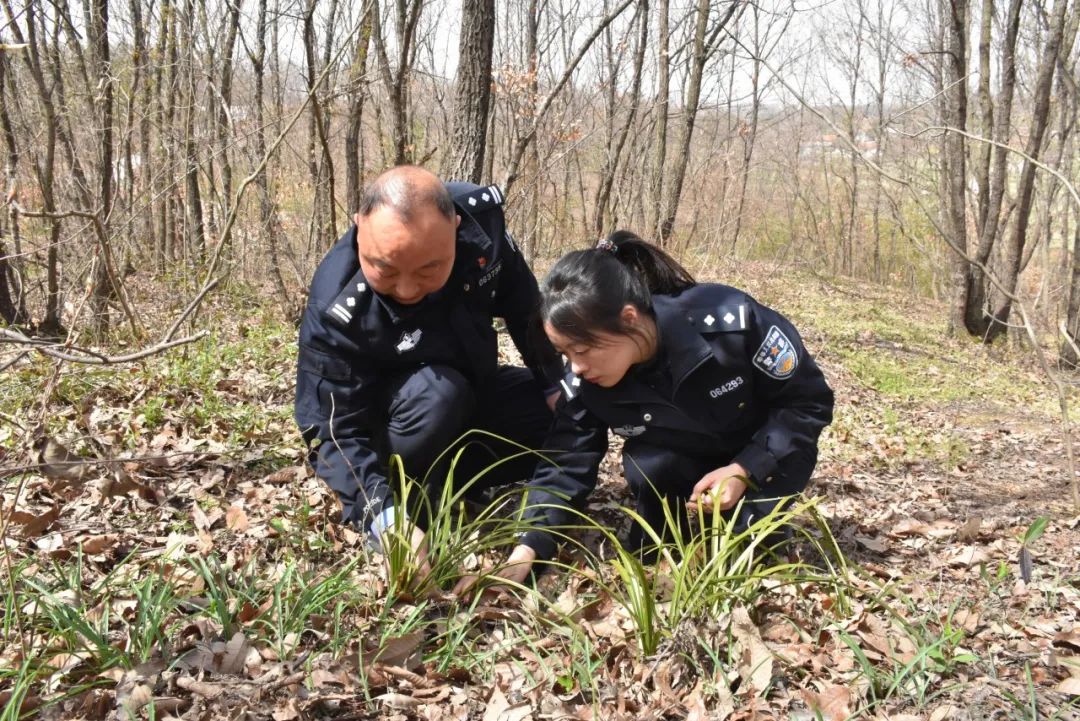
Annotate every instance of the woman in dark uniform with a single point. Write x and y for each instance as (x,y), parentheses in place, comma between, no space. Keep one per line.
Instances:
(715,394)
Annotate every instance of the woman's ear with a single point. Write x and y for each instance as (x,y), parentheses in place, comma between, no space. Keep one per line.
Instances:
(630,316)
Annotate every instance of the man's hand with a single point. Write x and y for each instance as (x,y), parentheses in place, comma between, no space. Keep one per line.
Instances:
(514,571)
(721,488)
(415,573)
(418,542)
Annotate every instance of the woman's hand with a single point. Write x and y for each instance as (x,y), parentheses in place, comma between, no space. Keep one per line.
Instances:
(721,488)
(514,571)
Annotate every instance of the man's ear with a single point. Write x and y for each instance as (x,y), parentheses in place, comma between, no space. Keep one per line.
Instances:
(630,315)
(457,221)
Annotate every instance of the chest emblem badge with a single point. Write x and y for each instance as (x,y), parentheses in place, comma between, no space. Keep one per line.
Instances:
(408,341)
(628,431)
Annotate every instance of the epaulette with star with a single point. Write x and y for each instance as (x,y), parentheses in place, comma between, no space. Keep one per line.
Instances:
(570,385)
(720,319)
(480,199)
(342,308)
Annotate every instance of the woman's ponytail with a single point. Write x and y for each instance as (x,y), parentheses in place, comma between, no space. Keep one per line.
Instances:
(586,290)
(659,271)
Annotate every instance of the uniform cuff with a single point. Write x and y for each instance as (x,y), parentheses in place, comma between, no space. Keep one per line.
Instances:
(540,541)
(387,518)
(365,514)
(759,463)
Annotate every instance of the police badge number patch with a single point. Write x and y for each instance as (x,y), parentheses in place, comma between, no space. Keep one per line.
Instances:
(776,357)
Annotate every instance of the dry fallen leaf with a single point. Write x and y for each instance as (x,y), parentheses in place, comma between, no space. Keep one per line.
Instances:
(833,703)
(236,519)
(219,657)
(970,530)
(398,700)
(33,525)
(1071,686)
(496,704)
(60,464)
(968,556)
(942,713)
(398,651)
(755,659)
(98,544)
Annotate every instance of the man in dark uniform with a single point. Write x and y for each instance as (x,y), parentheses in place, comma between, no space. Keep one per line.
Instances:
(398,351)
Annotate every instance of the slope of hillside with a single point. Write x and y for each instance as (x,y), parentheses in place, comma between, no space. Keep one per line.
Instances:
(188,566)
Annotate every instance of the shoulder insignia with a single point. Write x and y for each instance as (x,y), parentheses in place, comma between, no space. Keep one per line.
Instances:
(722,319)
(344,306)
(570,385)
(776,357)
(480,199)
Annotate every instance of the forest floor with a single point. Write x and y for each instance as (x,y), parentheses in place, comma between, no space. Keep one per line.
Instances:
(187,565)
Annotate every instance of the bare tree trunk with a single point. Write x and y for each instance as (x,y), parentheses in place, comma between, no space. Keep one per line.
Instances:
(464,159)
(355,93)
(1025,188)
(407,14)
(12,306)
(847,258)
(749,137)
(196,234)
(953,152)
(983,151)
(529,136)
(267,211)
(603,217)
(704,47)
(221,118)
(532,162)
(663,98)
(990,226)
(321,169)
(103,281)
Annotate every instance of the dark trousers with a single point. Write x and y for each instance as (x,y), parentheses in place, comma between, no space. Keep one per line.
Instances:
(660,477)
(432,407)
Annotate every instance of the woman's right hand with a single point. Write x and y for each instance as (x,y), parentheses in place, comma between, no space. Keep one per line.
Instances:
(514,571)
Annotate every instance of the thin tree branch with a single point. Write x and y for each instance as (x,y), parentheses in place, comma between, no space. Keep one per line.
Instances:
(91,357)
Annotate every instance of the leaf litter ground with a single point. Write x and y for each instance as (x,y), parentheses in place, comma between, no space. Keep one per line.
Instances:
(168,555)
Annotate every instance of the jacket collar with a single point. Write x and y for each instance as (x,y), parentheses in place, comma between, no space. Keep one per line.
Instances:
(685,346)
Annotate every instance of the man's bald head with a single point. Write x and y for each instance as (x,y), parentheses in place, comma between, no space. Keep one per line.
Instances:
(407,190)
(406,234)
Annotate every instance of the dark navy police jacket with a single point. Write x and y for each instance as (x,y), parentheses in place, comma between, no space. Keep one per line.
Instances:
(739,387)
(352,340)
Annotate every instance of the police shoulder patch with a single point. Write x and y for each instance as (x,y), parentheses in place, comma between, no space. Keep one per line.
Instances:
(480,199)
(720,319)
(776,357)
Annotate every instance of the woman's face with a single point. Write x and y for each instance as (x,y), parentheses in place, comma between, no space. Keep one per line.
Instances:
(606,361)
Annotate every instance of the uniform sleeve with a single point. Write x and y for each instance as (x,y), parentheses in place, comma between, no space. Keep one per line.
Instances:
(518,303)
(575,446)
(789,382)
(335,414)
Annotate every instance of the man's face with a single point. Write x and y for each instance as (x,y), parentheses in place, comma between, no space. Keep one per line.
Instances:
(406,261)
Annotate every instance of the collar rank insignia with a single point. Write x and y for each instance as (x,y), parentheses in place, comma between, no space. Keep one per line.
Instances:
(776,357)
(408,341)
